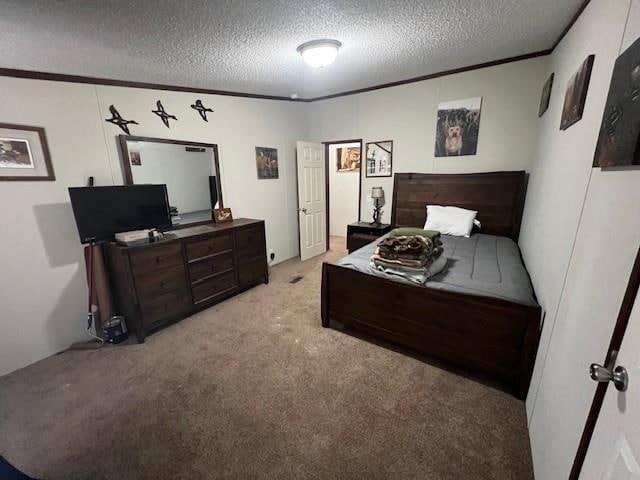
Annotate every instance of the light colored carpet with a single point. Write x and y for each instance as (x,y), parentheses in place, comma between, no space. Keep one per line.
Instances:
(256,388)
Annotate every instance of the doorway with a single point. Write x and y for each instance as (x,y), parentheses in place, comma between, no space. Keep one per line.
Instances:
(343,187)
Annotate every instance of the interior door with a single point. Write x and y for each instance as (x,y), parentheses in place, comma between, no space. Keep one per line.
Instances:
(614,450)
(312,205)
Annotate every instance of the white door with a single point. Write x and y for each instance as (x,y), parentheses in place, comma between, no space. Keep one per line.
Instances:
(614,451)
(312,205)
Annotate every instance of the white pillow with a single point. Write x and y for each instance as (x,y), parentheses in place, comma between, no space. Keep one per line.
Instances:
(450,220)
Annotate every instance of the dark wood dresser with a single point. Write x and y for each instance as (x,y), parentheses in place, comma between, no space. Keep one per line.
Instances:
(190,269)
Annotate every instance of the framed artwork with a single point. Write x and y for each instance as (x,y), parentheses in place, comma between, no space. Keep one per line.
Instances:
(619,139)
(457,127)
(267,162)
(222,215)
(576,94)
(348,159)
(545,96)
(378,159)
(24,153)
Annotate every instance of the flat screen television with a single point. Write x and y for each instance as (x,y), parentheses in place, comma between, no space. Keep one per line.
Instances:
(102,212)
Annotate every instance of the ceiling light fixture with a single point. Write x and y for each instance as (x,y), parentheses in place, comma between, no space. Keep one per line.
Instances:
(319,53)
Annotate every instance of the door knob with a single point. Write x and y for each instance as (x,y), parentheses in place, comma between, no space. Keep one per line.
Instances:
(618,376)
(303,210)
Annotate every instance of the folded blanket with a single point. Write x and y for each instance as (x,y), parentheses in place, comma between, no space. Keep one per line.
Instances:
(414,261)
(432,235)
(415,275)
(410,247)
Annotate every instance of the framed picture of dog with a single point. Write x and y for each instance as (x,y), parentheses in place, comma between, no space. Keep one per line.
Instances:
(24,153)
(458,127)
(379,157)
(576,94)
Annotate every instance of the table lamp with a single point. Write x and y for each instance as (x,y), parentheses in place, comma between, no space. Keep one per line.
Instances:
(377,194)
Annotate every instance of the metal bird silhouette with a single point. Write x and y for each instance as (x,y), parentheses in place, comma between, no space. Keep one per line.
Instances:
(117,119)
(201,109)
(163,115)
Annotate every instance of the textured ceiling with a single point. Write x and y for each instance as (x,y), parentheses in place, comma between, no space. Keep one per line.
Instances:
(250,46)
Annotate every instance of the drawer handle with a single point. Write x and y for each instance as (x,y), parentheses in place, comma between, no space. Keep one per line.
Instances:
(209,248)
(158,259)
(162,284)
(166,307)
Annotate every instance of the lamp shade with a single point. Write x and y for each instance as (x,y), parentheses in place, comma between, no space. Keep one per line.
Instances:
(377,192)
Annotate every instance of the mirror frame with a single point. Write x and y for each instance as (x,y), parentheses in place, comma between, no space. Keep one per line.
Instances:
(126,166)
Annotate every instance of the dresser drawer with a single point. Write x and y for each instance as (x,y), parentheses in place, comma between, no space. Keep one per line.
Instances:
(152,284)
(209,246)
(249,273)
(211,266)
(150,259)
(214,286)
(250,242)
(164,306)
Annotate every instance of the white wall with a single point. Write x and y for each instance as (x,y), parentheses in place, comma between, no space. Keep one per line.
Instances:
(343,193)
(579,238)
(407,115)
(42,286)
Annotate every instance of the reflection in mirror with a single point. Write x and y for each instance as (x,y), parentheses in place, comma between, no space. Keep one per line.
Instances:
(189,169)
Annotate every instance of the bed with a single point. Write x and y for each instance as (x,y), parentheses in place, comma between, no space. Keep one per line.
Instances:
(480,313)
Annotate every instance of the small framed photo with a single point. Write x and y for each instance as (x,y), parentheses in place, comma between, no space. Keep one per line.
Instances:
(379,158)
(24,153)
(222,215)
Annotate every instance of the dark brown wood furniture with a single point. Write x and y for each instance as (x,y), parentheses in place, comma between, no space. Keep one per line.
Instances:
(191,269)
(361,233)
(485,334)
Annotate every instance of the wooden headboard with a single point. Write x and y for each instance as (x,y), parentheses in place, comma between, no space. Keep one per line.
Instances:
(498,198)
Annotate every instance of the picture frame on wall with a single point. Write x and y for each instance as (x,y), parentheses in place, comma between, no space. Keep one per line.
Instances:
(379,158)
(545,96)
(267,163)
(458,127)
(619,138)
(575,95)
(24,154)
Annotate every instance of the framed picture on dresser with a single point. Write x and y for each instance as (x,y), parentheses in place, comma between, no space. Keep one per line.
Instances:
(379,159)
(24,153)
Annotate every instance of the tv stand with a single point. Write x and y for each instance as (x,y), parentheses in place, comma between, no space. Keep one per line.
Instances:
(190,269)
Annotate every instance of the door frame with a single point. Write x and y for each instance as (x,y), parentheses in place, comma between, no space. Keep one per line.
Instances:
(614,347)
(326,179)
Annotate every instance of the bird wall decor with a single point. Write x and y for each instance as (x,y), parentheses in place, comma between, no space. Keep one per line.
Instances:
(201,109)
(117,119)
(164,116)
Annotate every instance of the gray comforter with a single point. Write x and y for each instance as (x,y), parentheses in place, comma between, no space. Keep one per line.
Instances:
(482,265)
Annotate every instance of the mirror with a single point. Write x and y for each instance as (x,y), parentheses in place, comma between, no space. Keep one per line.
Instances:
(189,169)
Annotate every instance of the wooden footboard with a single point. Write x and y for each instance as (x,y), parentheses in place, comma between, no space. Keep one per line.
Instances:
(483,334)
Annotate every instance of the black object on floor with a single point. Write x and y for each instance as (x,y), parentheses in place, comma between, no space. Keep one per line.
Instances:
(296,279)
(9,472)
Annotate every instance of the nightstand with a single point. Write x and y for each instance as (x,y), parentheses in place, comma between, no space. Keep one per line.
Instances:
(361,233)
